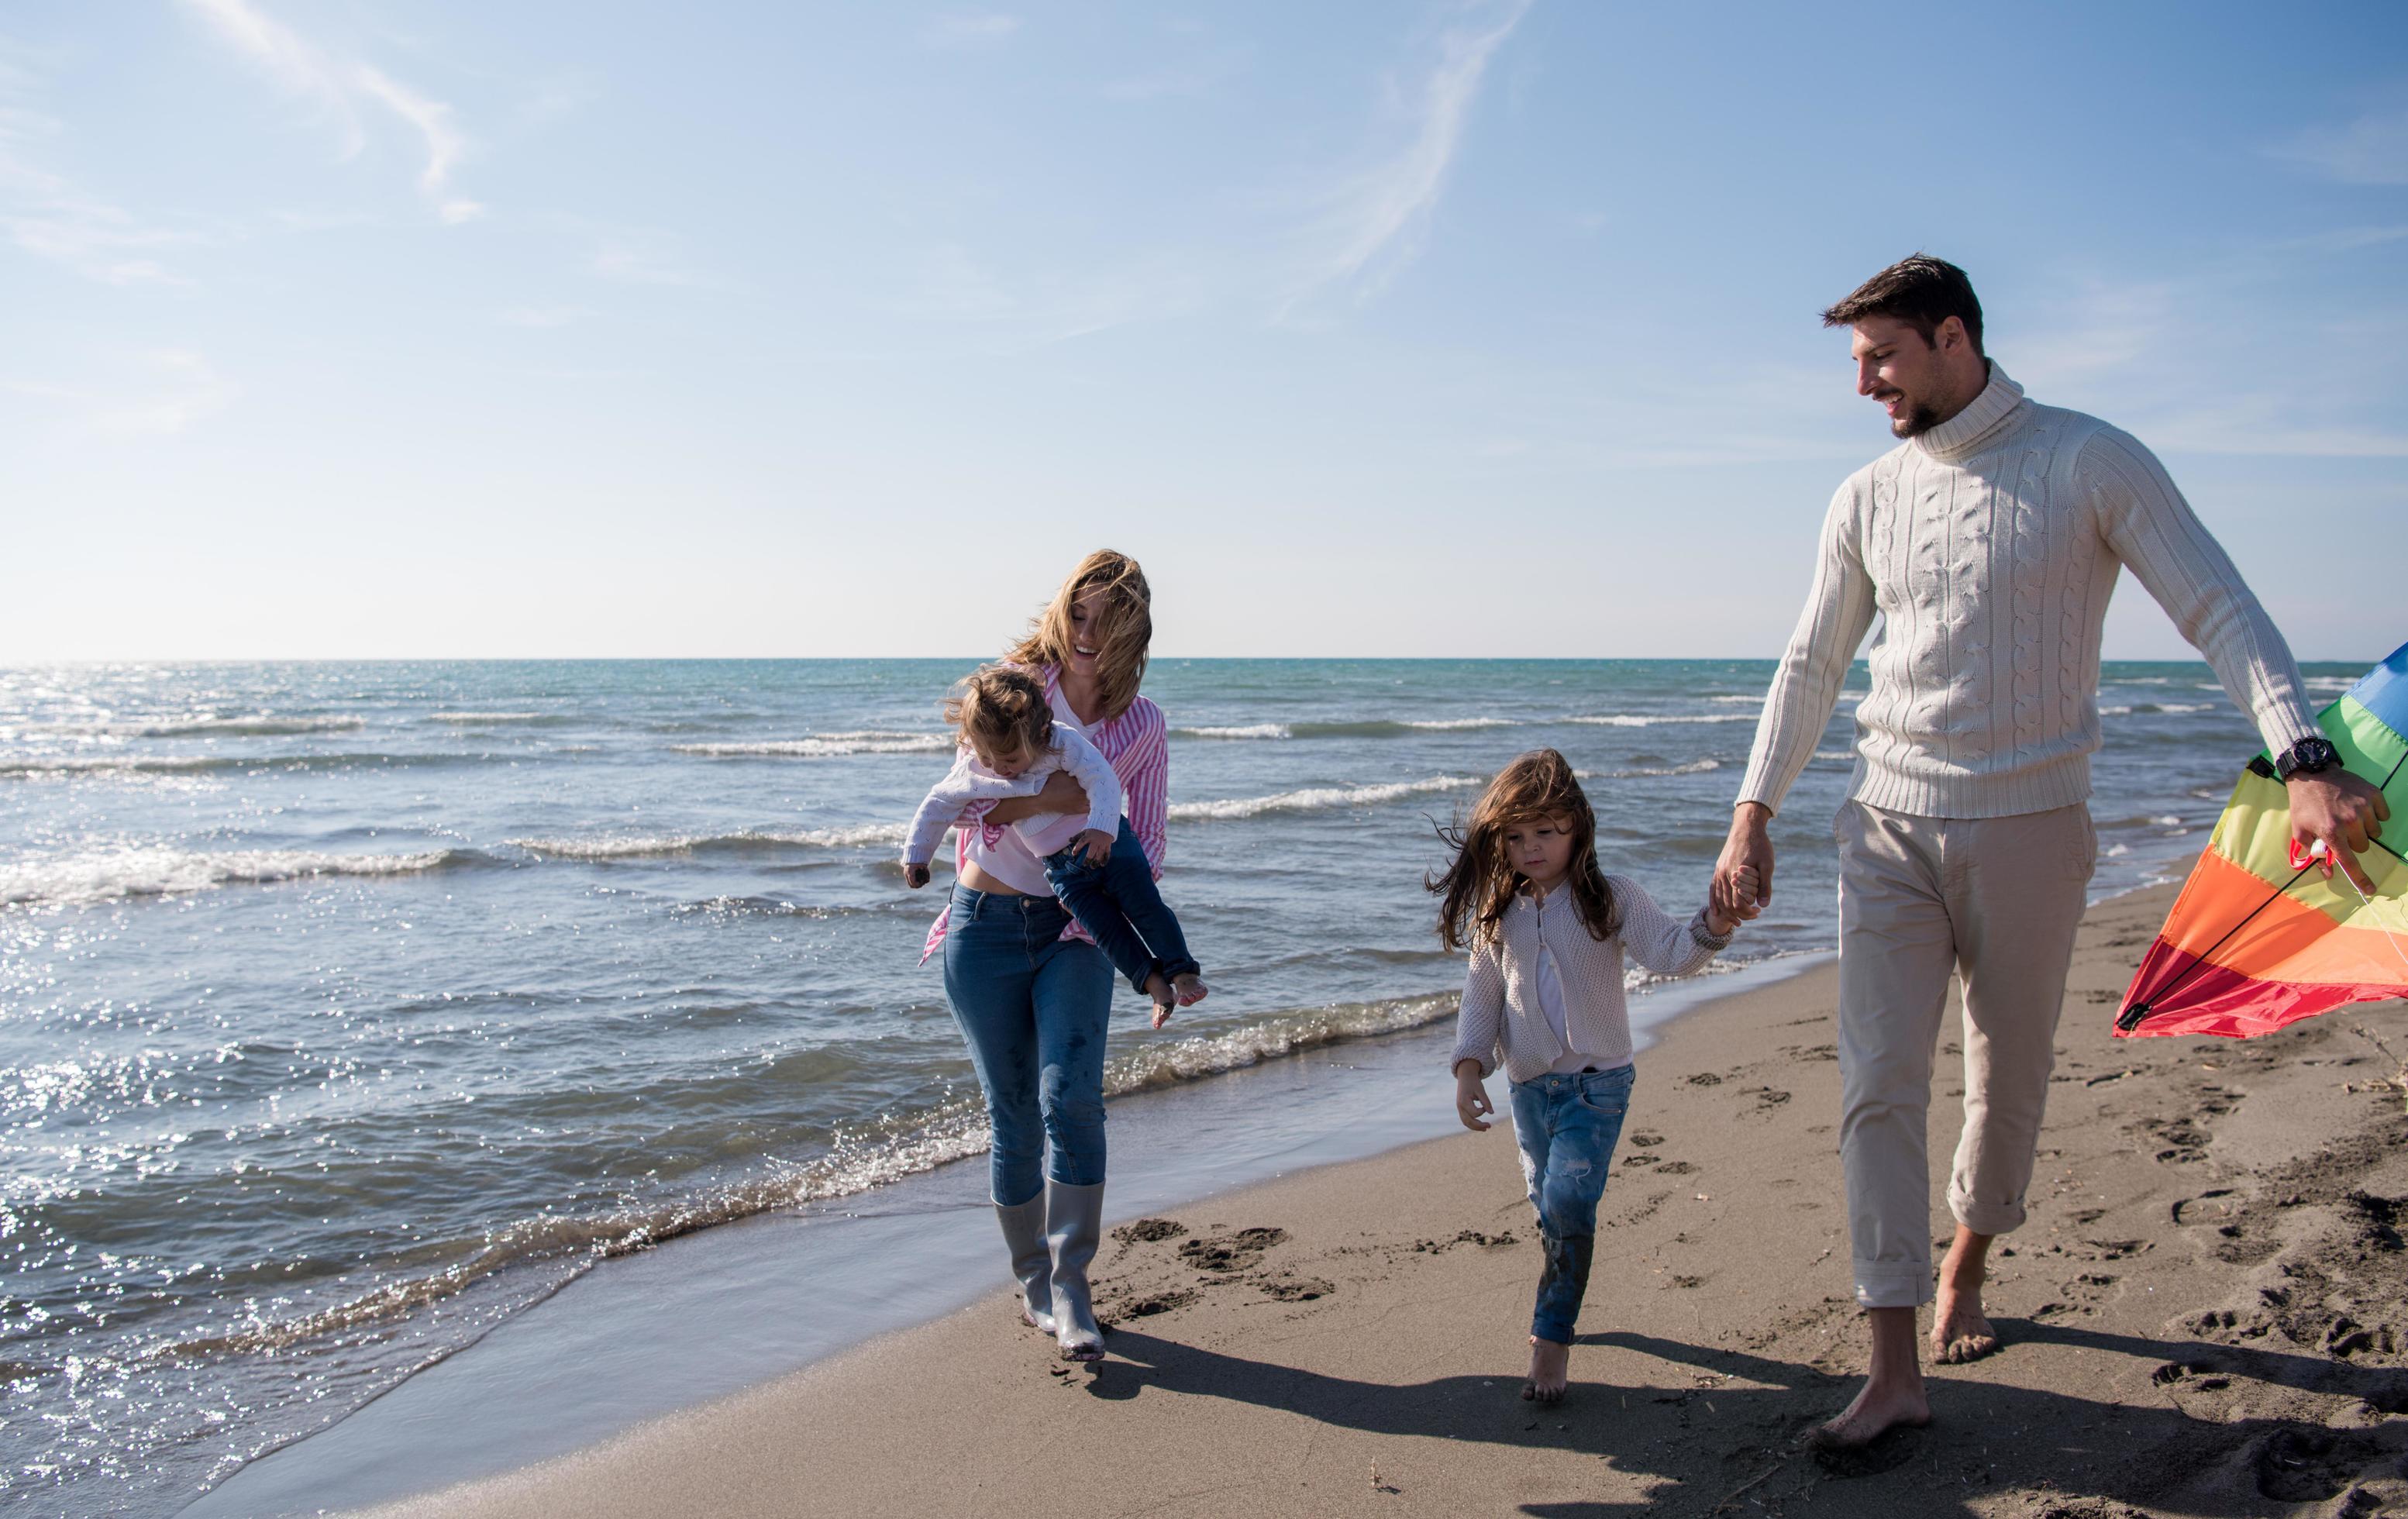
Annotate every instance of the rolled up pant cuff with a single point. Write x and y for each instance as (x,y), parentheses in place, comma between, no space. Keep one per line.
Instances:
(1892,1284)
(1987,1217)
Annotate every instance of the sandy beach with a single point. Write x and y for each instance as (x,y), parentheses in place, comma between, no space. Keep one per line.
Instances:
(2207,1314)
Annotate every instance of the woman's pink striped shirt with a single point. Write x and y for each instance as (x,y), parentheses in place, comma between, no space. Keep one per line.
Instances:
(1138,744)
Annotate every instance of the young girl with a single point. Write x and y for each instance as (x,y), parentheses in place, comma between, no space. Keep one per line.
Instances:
(1547,928)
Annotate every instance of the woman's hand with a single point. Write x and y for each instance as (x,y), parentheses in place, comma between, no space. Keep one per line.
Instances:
(1471,1098)
(1062,793)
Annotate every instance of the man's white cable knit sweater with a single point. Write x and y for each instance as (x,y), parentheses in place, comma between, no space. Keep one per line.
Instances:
(1989,545)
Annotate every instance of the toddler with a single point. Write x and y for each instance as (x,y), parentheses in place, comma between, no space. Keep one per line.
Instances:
(1010,743)
(1547,928)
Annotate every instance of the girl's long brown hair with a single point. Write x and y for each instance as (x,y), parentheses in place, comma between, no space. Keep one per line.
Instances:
(1119,632)
(1479,885)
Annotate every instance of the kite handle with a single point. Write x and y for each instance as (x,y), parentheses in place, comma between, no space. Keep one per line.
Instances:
(2302,858)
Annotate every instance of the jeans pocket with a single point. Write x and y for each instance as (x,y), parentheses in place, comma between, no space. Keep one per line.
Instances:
(1607,1092)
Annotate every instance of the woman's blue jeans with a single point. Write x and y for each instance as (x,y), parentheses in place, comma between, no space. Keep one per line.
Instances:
(1033,1007)
(1566,1128)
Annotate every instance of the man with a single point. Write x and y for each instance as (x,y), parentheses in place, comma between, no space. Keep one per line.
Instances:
(1989,542)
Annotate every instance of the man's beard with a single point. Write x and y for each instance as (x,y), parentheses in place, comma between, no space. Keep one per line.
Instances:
(1919,419)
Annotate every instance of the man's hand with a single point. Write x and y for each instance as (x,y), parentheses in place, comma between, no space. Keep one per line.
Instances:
(1470,1096)
(1720,921)
(1096,845)
(915,876)
(1743,875)
(2345,812)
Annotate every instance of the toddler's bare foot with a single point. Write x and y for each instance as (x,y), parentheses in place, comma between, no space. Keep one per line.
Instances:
(1190,989)
(1157,986)
(1550,1364)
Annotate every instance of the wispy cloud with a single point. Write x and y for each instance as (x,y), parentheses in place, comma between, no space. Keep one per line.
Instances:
(632,257)
(969,29)
(168,390)
(339,87)
(2371,149)
(46,214)
(1375,218)
(542,316)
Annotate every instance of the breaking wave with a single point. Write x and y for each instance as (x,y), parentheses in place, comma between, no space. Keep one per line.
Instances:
(641,846)
(826,746)
(106,875)
(1316,798)
(1655,719)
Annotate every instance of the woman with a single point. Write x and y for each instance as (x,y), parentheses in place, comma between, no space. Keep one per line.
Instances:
(1031,991)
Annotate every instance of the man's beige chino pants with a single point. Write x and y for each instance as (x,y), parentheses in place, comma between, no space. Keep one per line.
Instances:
(1996,901)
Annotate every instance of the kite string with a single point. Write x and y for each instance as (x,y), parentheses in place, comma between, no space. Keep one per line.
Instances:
(2380,926)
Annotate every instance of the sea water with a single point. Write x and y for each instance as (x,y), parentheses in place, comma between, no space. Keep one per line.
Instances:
(348,1010)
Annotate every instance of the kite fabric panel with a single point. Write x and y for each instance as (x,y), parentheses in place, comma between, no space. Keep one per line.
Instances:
(2254,942)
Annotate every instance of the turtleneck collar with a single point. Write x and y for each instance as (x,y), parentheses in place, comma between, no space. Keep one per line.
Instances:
(1968,430)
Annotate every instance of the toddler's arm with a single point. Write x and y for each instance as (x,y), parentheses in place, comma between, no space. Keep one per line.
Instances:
(1655,941)
(964,784)
(1087,764)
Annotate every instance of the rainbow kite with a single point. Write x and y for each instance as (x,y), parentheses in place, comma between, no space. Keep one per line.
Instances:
(2259,938)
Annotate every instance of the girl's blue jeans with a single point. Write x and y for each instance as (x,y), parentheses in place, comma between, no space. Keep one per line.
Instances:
(1033,1007)
(1566,1128)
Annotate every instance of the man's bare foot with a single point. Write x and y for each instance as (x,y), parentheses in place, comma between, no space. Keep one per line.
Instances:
(1190,989)
(1550,1364)
(1877,1411)
(1960,1332)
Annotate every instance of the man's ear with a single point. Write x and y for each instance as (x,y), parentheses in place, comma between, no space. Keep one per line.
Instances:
(1949,334)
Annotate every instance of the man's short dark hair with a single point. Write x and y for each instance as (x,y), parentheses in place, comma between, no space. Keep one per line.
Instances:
(1921,290)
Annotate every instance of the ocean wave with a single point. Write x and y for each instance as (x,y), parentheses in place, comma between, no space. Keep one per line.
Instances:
(1643,772)
(22,767)
(2147,707)
(492,717)
(1653,720)
(1749,701)
(1316,798)
(93,876)
(203,726)
(640,846)
(1252,730)
(826,746)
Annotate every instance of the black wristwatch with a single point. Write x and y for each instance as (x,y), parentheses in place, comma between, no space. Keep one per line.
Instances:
(2309,756)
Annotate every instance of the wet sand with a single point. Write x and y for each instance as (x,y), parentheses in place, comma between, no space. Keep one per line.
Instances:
(2207,1314)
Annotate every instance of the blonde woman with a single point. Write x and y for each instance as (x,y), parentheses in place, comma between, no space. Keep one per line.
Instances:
(1030,990)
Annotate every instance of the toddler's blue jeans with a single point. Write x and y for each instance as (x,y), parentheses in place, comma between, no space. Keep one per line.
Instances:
(1117,902)
(1566,1128)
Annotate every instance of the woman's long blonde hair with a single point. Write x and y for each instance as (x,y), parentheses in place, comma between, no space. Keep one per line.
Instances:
(1478,886)
(1119,634)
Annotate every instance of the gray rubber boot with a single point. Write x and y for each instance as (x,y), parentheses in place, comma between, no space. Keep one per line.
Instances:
(1074,1217)
(1032,1261)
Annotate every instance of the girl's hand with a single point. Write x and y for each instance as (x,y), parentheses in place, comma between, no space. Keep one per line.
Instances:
(1096,845)
(1743,885)
(1471,1102)
(915,876)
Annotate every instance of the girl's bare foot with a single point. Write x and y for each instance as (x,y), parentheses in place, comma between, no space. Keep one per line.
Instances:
(1878,1408)
(1190,989)
(1157,986)
(1550,1364)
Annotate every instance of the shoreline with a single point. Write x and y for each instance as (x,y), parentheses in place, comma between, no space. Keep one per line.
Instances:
(2204,1314)
(744,1303)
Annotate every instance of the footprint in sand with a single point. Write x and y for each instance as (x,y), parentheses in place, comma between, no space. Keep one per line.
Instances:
(1226,1254)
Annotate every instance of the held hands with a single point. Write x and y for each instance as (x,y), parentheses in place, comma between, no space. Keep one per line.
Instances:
(2343,812)
(1746,885)
(1471,1102)
(1096,845)
(1743,875)
(915,876)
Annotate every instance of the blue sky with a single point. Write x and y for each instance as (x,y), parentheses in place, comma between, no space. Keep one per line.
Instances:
(335,328)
